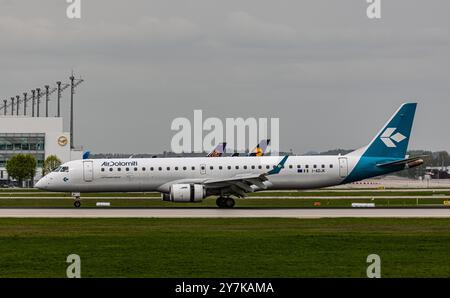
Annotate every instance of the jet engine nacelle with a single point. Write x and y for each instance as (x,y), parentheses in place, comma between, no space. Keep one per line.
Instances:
(186,193)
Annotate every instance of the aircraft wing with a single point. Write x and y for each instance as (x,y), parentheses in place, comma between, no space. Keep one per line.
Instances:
(242,184)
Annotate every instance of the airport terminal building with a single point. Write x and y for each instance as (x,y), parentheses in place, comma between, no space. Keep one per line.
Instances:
(39,136)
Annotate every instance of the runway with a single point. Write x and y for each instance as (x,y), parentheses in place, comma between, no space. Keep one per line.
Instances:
(222,213)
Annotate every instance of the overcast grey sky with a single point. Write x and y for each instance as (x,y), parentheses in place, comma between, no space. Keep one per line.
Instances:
(330,74)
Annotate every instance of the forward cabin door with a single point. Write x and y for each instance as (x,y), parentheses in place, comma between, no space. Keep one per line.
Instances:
(343,167)
(88,171)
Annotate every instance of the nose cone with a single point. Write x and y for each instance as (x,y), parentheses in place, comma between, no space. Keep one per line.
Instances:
(41,184)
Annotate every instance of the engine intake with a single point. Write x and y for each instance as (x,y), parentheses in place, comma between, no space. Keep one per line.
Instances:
(185,193)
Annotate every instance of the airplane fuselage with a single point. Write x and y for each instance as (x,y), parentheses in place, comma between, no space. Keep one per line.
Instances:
(157,174)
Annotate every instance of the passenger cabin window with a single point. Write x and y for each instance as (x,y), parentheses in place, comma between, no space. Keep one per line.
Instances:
(260,167)
(103,169)
(211,168)
(184,168)
(151,169)
(220,167)
(229,167)
(168,168)
(127,169)
(290,166)
(253,167)
(245,167)
(143,169)
(176,168)
(110,169)
(331,166)
(159,169)
(237,167)
(314,166)
(193,168)
(135,169)
(119,169)
(323,166)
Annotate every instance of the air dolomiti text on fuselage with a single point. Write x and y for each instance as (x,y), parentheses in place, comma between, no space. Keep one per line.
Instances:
(119,163)
(193,179)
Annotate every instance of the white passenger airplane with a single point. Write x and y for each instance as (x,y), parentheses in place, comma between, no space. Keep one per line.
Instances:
(193,179)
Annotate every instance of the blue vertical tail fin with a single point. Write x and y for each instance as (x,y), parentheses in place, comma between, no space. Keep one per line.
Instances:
(392,140)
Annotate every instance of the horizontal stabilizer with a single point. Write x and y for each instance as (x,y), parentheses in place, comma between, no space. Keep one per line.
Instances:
(408,163)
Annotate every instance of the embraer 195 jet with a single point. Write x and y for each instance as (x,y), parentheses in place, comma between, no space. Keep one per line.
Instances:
(193,179)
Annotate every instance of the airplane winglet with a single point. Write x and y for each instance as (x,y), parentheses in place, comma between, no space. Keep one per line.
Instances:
(278,167)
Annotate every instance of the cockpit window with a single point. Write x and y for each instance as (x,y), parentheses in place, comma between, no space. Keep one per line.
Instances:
(57,169)
(64,169)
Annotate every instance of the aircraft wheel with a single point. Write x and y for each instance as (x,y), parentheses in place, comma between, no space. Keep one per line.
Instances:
(229,203)
(77,204)
(220,202)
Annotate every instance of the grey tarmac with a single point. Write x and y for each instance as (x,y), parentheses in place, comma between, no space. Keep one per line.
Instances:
(223,213)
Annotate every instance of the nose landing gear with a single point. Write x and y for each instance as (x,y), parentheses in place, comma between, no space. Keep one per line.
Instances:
(76,197)
(225,202)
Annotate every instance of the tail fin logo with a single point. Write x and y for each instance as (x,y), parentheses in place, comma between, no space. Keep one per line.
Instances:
(390,139)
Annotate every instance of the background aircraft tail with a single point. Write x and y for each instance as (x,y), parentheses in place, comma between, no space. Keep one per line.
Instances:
(392,140)
(218,151)
(260,149)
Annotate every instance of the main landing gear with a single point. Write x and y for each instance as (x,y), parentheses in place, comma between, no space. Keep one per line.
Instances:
(225,202)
